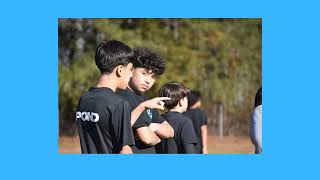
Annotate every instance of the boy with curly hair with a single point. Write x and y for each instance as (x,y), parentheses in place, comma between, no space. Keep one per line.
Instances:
(148,126)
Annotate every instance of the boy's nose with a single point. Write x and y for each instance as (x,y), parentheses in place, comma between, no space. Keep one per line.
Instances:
(148,80)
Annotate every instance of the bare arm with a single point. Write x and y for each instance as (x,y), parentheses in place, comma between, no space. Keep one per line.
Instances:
(204,137)
(126,150)
(163,130)
(155,103)
(147,136)
(136,113)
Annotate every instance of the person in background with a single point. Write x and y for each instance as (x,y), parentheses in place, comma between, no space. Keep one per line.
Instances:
(256,123)
(185,139)
(199,120)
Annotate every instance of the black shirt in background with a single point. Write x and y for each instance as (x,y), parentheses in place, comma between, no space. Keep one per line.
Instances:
(183,134)
(199,118)
(112,130)
(147,116)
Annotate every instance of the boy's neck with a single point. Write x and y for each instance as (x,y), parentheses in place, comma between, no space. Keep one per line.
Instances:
(176,109)
(196,105)
(107,81)
(133,89)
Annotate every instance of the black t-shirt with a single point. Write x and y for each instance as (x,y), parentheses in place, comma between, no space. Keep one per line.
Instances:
(199,118)
(103,120)
(146,117)
(183,134)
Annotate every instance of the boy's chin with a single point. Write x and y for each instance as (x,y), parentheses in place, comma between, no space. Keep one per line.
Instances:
(142,90)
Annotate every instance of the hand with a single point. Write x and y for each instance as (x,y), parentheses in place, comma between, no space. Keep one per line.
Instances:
(155,103)
(154,127)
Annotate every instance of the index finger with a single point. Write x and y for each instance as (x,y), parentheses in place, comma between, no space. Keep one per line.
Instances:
(160,107)
(164,98)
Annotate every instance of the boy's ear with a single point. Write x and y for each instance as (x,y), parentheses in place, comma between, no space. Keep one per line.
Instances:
(119,70)
(180,102)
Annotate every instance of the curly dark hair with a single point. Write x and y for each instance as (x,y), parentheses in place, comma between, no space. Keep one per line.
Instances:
(149,59)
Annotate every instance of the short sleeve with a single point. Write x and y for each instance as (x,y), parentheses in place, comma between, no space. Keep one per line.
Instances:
(157,117)
(142,121)
(121,119)
(204,118)
(188,135)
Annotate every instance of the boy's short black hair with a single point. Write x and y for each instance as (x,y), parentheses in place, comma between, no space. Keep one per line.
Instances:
(258,99)
(149,59)
(193,98)
(175,91)
(112,54)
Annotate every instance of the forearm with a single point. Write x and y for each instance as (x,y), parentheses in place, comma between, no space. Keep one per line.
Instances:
(147,136)
(155,103)
(136,113)
(204,137)
(164,130)
(151,139)
(155,140)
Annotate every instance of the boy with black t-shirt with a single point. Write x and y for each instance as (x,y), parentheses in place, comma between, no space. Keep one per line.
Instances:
(103,117)
(199,120)
(185,140)
(148,126)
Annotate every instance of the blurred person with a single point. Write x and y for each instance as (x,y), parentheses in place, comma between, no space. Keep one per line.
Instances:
(256,123)
(147,124)
(185,139)
(199,120)
(103,117)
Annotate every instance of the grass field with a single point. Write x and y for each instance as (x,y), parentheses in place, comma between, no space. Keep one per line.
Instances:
(227,145)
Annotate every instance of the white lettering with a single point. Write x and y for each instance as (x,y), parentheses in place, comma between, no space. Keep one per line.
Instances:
(94,117)
(78,115)
(87,116)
